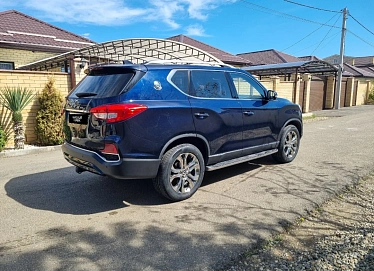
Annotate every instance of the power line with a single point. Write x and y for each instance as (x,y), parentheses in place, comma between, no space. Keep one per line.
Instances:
(325,36)
(329,38)
(310,33)
(282,14)
(312,7)
(360,24)
(360,38)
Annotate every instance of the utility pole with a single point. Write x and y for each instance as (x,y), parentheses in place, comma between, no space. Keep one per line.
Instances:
(341,65)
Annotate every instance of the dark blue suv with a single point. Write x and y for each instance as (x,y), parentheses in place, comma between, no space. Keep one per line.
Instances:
(171,123)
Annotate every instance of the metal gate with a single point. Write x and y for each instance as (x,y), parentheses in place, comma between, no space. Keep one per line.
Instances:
(317,93)
(301,95)
(343,92)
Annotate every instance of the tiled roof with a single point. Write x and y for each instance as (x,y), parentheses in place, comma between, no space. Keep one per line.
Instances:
(363,61)
(222,55)
(309,58)
(20,30)
(268,57)
(357,72)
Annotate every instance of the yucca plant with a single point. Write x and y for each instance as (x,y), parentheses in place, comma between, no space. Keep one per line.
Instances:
(15,99)
(3,139)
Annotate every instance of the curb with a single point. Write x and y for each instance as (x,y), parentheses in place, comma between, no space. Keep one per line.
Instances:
(36,150)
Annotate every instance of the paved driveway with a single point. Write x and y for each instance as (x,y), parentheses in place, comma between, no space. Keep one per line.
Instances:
(53,219)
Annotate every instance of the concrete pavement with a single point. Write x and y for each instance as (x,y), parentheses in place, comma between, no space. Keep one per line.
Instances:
(54,219)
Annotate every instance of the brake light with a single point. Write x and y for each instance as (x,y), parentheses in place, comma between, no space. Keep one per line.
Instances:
(117,112)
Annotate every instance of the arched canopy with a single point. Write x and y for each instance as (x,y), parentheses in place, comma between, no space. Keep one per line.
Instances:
(312,66)
(135,50)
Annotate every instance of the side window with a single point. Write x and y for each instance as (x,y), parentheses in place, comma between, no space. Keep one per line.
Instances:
(209,84)
(246,87)
(180,80)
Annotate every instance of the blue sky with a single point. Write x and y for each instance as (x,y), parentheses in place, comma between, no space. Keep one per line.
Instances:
(235,26)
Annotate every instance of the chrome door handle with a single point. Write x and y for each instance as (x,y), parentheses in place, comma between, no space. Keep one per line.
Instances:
(248,113)
(201,115)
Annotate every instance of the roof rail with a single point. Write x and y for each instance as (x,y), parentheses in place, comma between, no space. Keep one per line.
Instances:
(187,62)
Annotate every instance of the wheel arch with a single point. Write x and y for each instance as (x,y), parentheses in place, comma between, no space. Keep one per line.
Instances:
(297,123)
(194,139)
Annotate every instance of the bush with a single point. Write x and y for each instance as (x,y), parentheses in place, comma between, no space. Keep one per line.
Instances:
(3,139)
(49,121)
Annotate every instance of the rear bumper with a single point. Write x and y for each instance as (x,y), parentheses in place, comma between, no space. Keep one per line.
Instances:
(123,169)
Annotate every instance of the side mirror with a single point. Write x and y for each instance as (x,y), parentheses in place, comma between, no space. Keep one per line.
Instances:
(272,95)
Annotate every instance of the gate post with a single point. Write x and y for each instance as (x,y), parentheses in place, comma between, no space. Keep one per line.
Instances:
(297,89)
(330,86)
(349,92)
(307,81)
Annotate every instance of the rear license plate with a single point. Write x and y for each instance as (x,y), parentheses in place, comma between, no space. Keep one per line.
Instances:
(78,118)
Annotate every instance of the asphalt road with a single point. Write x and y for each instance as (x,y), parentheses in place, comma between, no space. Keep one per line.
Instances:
(54,219)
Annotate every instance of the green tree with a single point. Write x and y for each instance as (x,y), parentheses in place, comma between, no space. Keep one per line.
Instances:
(49,121)
(16,99)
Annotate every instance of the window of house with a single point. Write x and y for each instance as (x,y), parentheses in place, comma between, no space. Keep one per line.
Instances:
(6,65)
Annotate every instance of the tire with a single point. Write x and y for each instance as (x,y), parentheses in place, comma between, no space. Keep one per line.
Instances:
(289,145)
(181,172)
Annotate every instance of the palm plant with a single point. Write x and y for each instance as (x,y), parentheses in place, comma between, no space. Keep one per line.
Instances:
(16,99)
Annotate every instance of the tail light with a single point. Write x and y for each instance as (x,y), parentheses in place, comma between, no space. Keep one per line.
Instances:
(117,112)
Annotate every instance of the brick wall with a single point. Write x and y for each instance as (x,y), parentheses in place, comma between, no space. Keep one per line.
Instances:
(22,57)
(285,89)
(362,92)
(36,82)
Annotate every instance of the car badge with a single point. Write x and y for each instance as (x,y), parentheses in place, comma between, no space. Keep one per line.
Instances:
(157,85)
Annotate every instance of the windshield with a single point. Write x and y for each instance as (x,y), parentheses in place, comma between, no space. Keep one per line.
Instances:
(102,83)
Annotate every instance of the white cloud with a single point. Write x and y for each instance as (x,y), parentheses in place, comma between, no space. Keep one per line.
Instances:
(195,30)
(164,11)
(121,12)
(110,12)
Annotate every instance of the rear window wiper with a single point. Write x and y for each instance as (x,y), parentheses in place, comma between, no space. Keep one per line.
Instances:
(85,94)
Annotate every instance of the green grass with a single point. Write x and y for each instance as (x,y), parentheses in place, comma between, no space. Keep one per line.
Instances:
(309,117)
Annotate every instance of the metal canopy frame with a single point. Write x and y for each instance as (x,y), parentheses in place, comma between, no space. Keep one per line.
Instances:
(138,51)
(312,66)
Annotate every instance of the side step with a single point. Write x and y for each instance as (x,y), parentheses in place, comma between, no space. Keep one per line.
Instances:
(240,160)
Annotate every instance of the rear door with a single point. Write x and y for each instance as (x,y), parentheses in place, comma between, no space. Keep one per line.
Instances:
(260,116)
(101,86)
(217,115)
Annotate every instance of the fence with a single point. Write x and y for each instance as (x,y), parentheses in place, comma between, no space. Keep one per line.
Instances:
(34,81)
(302,92)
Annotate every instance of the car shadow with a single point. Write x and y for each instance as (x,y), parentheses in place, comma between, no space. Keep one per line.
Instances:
(64,191)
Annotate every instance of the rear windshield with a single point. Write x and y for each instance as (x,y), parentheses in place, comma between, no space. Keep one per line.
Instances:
(101,83)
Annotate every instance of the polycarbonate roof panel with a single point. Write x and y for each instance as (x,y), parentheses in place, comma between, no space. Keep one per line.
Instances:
(315,66)
(137,51)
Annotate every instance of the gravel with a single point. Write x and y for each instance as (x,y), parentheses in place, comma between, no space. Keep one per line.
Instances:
(339,235)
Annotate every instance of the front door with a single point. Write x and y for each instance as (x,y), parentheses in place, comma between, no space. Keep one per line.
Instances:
(259,114)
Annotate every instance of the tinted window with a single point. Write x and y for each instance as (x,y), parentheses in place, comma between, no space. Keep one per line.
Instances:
(209,84)
(246,87)
(180,80)
(104,82)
